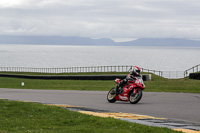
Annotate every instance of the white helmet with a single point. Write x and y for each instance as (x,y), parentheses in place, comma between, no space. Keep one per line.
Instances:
(135,71)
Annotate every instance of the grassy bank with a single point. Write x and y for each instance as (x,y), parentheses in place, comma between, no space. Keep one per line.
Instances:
(20,117)
(158,84)
(186,85)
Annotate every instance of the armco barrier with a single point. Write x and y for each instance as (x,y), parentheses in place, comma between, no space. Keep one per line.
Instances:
(194,76)
(146,77)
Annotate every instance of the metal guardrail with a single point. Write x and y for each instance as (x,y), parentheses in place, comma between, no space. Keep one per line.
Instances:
(165,74)
(75,69)
(192,70)
(159,73)
(67,69)
(173,74)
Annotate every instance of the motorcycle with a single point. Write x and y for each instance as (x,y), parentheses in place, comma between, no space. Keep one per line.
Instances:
(131,91)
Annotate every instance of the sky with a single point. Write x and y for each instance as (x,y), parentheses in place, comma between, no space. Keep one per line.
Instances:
(120,20)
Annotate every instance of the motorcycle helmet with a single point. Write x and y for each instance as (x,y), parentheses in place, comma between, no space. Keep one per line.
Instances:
(135,71)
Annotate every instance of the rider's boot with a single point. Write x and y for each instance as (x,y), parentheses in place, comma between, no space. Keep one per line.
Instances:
(117,90)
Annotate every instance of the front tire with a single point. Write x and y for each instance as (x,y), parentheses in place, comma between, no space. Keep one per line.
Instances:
(135,98)
(111,95)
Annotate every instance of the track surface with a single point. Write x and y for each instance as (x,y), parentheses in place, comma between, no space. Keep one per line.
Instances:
(178,106)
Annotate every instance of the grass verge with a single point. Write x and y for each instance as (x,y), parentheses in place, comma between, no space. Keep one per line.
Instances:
(20,117)
(158,84)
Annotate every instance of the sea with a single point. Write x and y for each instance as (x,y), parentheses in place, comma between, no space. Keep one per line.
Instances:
(60,56)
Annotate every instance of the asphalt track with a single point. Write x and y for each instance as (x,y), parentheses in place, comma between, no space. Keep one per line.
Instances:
(177,106)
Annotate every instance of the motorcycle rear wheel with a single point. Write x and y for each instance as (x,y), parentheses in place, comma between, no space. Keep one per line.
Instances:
(111,95)
(135,98)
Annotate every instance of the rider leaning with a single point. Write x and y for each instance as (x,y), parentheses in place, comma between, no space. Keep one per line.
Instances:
(135,72)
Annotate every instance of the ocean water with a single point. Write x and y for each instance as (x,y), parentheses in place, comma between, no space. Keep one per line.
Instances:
(53,56)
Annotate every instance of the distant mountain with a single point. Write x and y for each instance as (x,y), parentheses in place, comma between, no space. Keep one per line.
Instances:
(61,40)
(54,40)
(162,42)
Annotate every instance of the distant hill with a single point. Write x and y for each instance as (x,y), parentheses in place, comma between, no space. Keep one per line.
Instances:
(162,42)
(54,40)
(60,40)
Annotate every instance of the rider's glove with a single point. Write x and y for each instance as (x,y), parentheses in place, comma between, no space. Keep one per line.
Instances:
(124,80)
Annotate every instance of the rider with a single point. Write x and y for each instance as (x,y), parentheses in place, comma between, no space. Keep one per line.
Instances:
(135,72)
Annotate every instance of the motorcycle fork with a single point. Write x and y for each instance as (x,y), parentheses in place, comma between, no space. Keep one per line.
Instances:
(135,91)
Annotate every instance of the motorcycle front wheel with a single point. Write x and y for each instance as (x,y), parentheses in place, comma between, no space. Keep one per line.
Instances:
(135,98)
(111,95)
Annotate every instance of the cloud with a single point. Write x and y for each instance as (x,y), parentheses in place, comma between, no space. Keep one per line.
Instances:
(102,18)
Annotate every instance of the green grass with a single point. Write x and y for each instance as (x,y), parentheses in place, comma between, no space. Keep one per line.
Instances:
(158,84)
(56,84)
(186,85)
(20,117)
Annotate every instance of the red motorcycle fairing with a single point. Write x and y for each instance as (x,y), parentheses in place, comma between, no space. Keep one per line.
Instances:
(130,85)
(124,96)
(118,80)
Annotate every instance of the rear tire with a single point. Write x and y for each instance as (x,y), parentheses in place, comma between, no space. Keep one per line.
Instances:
(111,95)
(135,98)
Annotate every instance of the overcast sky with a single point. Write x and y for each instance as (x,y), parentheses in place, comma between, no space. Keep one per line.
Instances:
(116,19)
